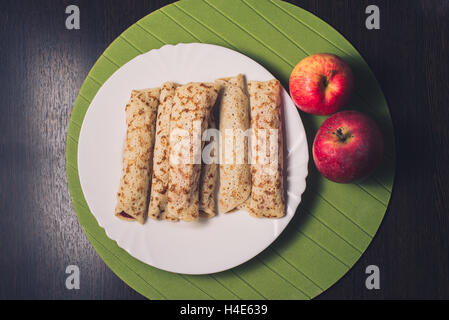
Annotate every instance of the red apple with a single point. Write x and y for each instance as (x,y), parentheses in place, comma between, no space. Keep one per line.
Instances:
(348,147)
(321,84)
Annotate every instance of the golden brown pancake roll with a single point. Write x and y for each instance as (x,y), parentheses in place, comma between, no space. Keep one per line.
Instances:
(132,197)
(235,170)
(161,166)
(267,195)
(190,117)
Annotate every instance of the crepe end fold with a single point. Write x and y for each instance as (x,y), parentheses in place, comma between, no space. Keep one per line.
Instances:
(159,187)
(267,195)
(235,175)
(132,197)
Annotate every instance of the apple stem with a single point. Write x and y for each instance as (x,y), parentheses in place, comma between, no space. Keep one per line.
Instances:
(340,135)
(326,80)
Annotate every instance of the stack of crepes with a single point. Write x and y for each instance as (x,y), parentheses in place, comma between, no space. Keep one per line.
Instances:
(166,174)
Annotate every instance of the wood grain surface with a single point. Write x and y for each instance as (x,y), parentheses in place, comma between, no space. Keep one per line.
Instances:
(42,67)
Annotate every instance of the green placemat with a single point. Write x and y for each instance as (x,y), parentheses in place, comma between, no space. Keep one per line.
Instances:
(334,223)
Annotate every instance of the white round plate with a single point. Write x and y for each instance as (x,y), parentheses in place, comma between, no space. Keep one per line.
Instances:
(203,247)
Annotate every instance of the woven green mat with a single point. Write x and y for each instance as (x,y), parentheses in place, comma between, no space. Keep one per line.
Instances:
(334,223)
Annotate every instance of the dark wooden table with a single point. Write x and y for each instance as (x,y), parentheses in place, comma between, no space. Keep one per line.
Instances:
(42,66)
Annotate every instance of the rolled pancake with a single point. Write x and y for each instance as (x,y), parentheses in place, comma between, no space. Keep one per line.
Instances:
(235,170)
(132,197)
(209,176)
(267,195)
(190,116)
(161,166)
